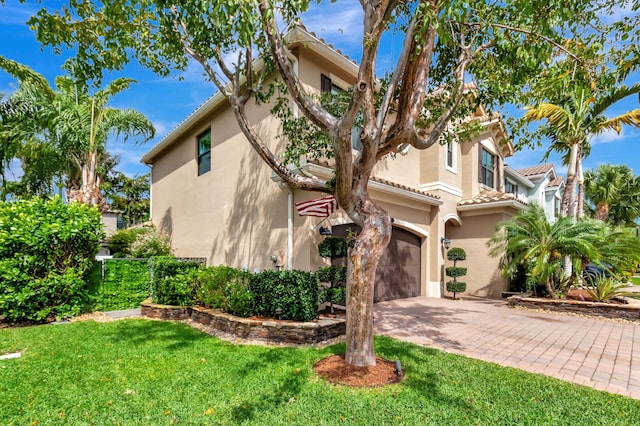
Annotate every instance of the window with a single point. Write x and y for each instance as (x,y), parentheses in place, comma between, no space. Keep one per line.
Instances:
(204,152)
(327,86)
(487,168)
(450,154)
(510,187)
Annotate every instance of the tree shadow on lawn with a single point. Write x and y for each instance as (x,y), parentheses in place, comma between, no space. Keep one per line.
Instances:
(170,335)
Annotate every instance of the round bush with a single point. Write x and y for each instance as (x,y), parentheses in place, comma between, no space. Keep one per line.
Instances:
(455,271)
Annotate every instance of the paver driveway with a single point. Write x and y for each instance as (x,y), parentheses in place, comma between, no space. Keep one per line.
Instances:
(593,352)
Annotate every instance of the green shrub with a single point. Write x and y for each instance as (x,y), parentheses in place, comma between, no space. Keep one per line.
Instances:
(46,248)
(209,284)
(332,274)
(333,295)
(169,284)
(295,292)
(456,254)
(120,242)
(139,243)
(333,247)
(173,290)
(239,298)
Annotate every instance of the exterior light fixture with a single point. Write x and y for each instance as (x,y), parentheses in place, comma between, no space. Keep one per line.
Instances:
(325,231)
(446,243)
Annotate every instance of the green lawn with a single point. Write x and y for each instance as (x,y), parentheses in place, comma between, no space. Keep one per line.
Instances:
(139,372)
(635,280)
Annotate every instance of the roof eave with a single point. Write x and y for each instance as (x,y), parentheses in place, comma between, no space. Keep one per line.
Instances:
(505,203)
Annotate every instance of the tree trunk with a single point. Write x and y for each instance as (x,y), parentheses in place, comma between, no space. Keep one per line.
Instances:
(89,191)
(568,204)
(602,211)
(550,289)
(580,201)
(364,255)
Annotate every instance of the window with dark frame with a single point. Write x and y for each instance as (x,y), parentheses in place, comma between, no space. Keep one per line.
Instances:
(510,187)
(204,152)
(449,154)
(327,86)
(487,168)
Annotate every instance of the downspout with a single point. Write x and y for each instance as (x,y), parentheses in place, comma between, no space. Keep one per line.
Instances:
(289,228)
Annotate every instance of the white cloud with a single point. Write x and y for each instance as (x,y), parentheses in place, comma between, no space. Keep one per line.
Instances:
(15,15)
(339,23)
(608,137)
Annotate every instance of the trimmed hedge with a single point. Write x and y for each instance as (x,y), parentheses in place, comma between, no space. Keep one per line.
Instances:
(168,284)
(295,292)
(455,271)
(125,284)
(456,287)
(46,249)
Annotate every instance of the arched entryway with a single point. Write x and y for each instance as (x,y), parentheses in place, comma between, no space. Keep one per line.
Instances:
(399,270)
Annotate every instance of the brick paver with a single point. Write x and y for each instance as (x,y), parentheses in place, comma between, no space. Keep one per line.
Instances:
(593,352)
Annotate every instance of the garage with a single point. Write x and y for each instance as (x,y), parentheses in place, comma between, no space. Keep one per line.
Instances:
(398,274)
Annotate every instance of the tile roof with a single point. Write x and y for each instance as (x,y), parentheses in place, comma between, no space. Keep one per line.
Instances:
(400,186)
(536,170)
(325,163)
(556,182)
(490,196)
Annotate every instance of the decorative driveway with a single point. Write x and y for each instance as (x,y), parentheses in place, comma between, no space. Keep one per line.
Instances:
(599,353)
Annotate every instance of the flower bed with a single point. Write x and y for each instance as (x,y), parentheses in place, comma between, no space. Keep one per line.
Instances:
(263,330)
(597,309)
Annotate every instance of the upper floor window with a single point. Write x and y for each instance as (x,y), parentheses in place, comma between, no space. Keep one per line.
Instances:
(327,86)
(510,187)
(204,152)
(450,154)
(487,168)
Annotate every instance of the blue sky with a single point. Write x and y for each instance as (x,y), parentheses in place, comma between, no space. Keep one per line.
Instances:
(167,101)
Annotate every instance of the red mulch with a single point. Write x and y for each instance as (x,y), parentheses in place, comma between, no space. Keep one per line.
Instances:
(334,369)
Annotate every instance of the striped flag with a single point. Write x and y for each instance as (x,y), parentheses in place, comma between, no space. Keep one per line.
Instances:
(320,207)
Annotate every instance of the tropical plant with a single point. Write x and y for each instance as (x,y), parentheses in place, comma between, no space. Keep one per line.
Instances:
(76,125)
(613,193)
(571,123)
(500,45)
(528,240)
(606,288)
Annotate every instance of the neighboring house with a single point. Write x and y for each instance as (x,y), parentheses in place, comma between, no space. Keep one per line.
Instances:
(215,197)
(538,184)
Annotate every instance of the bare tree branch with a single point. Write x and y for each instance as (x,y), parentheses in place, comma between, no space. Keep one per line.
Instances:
(310,107)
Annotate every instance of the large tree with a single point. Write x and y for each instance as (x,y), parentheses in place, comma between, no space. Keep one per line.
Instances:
(65,132)
(497,45)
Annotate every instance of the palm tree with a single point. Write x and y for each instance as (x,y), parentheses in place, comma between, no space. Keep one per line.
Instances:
(614,192)
(571,123)
(78,124)
(530,242)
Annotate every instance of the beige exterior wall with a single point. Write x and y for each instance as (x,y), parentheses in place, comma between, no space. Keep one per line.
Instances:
(237,215)
(483,276)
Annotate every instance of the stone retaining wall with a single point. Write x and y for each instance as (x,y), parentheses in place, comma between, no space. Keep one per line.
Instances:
(598,309)
(282,332)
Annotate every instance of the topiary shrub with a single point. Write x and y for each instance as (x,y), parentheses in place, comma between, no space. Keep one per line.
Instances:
(456,287)
(46,249)
(333,247)
(335,292)
(456,254)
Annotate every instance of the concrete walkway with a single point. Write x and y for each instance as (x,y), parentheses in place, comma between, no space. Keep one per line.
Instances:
(593,352)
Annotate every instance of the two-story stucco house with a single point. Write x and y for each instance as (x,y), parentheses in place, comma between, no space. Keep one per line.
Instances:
(216,199)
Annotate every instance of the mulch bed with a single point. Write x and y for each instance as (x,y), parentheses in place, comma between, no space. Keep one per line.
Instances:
(334,369)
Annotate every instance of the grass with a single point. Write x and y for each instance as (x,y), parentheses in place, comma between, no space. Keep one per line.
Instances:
(140,372)
(635,280)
